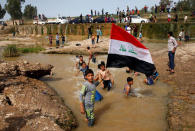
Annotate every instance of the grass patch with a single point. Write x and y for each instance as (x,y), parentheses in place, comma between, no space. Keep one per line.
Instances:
(11,51)
(36,49)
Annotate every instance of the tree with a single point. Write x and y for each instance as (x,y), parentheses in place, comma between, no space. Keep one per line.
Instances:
(186,5)
(165,2)
(192,5)
(13,7)
(30,11)
(2,12)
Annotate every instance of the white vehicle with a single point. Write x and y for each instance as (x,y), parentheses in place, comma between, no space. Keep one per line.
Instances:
(39,22)
(138,19)
(62,20)
(59,20)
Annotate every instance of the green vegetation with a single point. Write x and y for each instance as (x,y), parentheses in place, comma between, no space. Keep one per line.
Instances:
(36,49)
(30,11)
(11,51)
(13,7)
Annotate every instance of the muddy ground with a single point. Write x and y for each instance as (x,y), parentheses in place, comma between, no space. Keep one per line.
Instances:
(181,107)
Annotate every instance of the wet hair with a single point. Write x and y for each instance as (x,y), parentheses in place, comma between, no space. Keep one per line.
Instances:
(83,63)
(88,47)
(89,71)
(99,66)
(103,63)
(129,79)
(170,33)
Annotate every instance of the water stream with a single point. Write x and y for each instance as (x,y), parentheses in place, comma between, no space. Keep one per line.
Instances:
(115,112)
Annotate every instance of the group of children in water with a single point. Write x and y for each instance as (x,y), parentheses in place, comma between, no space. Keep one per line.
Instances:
(88,91)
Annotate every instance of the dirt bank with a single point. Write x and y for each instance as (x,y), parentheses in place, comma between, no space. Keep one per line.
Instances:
(29,104)
(80,47)
(182,100)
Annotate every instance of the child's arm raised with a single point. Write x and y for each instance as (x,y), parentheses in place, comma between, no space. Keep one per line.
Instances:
(77,73)
(88,63)
(128,88)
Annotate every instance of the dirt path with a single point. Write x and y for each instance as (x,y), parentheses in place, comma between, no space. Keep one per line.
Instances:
(79,47)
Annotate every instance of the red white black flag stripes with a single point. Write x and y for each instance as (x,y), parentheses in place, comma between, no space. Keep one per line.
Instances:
(126,51)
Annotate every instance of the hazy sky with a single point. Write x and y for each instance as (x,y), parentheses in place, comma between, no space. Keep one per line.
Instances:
(51,8)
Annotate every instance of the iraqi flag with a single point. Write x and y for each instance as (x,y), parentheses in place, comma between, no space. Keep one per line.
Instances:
(126,51)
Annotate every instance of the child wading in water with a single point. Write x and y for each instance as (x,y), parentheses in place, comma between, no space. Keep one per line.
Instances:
(84,68)
(152,78)
(105,76)
(87,97)
(79,62)
(127,89)
(92,56)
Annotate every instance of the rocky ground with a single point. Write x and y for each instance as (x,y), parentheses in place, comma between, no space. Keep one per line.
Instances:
(181,107)
(27,103)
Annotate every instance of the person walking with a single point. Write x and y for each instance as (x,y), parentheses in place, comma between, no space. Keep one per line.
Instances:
(135,31)
(172,45)
(57,40)
(169,17)
(98,34)
(63,40)
(176,18)
(185,18)
(181,35)
(89,32)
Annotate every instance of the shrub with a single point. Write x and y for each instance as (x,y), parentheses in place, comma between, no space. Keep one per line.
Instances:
(11,51)
(36,49)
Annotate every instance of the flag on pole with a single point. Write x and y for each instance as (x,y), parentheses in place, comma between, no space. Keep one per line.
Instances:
(126,51)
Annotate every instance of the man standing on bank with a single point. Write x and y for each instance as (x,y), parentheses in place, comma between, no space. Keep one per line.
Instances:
(172,45)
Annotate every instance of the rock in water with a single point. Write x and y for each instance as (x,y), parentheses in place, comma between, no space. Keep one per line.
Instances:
(24,68)
(27,103)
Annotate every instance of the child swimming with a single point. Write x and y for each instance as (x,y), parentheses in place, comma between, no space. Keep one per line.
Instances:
(105,76)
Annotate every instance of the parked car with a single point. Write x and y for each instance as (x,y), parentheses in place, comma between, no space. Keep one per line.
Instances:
(138,19)
(102,20)
(62,20)
(99,20)
(58,20)
(77,21)
(3,23)
(39,22)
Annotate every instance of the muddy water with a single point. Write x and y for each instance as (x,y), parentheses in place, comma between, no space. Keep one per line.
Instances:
(115,112)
